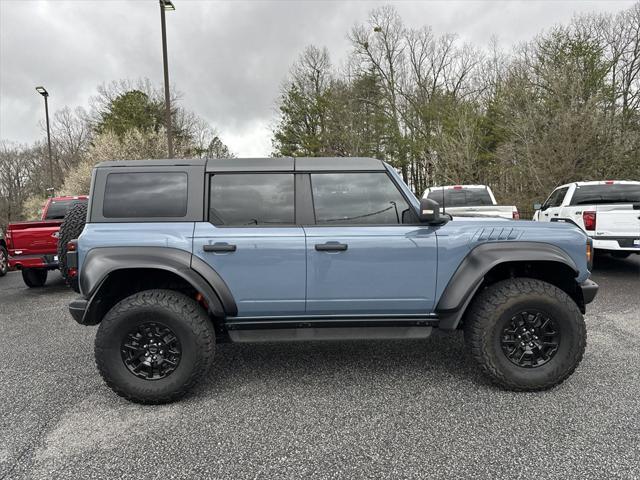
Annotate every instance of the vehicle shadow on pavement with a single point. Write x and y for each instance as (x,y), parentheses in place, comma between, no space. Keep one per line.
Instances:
(626,267)
(442,357)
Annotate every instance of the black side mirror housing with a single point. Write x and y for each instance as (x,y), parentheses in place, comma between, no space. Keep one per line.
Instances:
(430,212)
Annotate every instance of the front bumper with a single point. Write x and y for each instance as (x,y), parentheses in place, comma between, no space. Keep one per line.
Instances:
(78,308)
(589,290)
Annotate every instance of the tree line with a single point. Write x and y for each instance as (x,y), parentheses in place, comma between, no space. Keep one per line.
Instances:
(562,107)
(124,121)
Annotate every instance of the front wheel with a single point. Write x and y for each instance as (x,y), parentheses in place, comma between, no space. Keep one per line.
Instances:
(34,277)
(526,334)
(154,346)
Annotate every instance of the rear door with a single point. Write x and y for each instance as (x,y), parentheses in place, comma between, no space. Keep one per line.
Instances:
(366,253)
(252,241)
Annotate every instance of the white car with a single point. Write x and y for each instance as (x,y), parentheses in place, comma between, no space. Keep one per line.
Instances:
(608,211)
(470,201)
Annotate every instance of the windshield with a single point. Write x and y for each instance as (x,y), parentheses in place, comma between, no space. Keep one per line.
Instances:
(59,208)
(461,197)
(611,193)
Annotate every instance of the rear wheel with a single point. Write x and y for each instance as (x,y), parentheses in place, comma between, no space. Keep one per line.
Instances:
(154,346)
(526,334)
(34,277)
(4,261)
(71,228)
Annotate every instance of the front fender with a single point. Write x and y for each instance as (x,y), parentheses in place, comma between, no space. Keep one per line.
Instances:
(471,272)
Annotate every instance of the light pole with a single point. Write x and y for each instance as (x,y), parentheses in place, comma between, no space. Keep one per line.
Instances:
(164,6)
(43,91)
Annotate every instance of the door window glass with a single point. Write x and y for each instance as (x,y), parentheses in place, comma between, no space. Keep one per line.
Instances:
(358,198)
(555,199)
(251,199)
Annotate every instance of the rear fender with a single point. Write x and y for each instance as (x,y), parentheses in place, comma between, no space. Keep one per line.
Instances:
(100,263)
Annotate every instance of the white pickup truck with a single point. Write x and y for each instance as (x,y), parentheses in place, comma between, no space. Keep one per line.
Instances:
(470,200)
(608,211)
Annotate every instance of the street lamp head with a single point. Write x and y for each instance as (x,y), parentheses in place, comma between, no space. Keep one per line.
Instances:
(42,91)
(167,5)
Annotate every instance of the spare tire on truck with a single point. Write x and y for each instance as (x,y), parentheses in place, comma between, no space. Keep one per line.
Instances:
(70,229)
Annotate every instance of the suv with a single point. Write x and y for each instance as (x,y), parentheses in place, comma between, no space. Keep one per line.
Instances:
(179,255)
(608,211)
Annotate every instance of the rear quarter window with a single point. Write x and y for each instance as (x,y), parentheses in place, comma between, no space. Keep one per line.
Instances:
(145,194)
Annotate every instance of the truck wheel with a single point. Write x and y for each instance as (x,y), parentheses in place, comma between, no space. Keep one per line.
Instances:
(4,261)
(154,346)
(34,277)
(526,334)
(70,229)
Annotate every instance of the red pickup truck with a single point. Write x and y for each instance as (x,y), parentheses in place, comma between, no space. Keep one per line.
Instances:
(33,246)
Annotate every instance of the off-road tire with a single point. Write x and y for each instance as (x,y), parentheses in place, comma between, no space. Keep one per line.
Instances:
(71,228)
(34,277)
(4,261)
(184,317)
(494,308)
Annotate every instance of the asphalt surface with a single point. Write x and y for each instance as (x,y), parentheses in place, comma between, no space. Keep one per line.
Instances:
(403,409)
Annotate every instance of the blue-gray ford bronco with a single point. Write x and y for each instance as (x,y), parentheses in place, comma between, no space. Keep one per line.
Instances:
(177,255)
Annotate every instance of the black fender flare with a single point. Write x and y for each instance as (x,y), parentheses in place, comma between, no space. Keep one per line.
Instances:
(470,274)
(102,261)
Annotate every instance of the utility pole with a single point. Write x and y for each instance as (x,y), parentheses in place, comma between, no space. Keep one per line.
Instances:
(164,6)
(42,91)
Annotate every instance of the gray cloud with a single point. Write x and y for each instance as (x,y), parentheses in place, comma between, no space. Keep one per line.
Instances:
(228,58)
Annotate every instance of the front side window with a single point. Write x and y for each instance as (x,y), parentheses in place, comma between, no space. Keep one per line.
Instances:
(358,198)
(243,199)
(145,194)
(555,199)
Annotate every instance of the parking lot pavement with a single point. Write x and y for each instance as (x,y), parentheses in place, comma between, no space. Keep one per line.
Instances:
(417,409)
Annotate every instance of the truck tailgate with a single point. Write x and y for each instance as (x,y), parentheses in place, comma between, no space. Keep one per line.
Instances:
(32,238)
(617,220)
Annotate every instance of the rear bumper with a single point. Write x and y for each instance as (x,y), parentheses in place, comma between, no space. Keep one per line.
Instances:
(78,308)
(20,262)
(627,244)
(589,290)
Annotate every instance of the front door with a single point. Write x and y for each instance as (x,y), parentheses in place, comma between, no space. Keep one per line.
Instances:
(252,242)
(366,253)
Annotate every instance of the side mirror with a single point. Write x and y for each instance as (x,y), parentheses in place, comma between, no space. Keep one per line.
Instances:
(430,212)
(537,206)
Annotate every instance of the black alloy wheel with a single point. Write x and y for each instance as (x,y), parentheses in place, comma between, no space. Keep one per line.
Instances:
(530,339)
(151,351)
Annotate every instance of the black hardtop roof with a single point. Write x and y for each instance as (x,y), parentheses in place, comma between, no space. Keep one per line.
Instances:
(278,164)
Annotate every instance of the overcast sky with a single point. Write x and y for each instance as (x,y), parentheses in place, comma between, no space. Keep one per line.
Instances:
(228,58)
